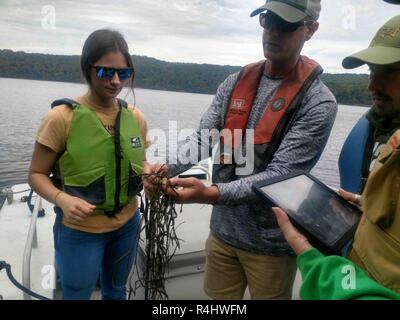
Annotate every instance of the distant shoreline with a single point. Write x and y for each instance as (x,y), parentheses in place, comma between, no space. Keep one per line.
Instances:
(82,83)
(153,74)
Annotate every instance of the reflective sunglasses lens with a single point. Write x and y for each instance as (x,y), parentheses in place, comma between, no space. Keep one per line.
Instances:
(108,73)
(104,73)
(99,73)
(125,74)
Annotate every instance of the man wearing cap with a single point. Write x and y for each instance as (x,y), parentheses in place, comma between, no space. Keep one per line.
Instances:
(374,129)
(290,112)
(376,246)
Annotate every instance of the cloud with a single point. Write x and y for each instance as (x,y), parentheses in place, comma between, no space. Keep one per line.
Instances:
(199,31)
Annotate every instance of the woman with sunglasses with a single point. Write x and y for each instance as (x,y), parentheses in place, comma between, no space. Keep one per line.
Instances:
(94,147)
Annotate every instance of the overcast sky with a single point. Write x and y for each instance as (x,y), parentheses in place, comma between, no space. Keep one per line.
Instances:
(198,31)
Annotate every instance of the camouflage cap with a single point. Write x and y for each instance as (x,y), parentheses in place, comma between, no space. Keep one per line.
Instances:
(384,48)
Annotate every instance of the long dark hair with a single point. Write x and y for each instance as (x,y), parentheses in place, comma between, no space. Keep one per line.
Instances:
(99,43)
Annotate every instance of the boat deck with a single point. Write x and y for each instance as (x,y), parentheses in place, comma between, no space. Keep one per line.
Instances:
(15,220)
(184,281)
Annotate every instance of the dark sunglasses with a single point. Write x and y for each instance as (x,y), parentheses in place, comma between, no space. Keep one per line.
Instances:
(269,20)
(108,73)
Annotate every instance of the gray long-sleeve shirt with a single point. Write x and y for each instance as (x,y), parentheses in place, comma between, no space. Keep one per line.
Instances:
(239,218)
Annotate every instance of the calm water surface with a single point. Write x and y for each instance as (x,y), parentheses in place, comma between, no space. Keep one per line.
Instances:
(24,102)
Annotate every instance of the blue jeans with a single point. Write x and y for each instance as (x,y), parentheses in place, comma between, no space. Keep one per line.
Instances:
(83,258)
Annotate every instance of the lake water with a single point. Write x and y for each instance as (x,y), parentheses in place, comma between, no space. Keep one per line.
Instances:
(24,102)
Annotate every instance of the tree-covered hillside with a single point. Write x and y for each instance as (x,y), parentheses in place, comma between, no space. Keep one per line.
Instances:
(349,89)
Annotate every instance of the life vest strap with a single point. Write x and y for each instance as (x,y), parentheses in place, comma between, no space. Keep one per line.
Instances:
(73,104)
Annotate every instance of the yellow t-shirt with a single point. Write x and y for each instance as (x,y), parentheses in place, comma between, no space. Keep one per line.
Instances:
(53,133)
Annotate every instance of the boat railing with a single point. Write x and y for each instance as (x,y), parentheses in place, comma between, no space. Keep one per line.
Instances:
(205,170)
(204,166)
(31,242)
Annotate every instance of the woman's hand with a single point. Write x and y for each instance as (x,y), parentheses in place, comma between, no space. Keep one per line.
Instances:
(353,198)
(296,240)
(149,179)
(74,209)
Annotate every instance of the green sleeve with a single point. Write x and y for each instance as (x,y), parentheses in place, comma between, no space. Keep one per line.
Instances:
(337,278)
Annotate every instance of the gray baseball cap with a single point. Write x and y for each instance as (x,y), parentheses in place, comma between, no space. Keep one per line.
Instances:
(384,48)
(291,10)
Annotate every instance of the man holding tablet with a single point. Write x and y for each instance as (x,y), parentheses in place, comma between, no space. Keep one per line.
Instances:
(373,130)
(376,246)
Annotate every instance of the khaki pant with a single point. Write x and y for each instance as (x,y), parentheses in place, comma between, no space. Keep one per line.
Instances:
(230,270)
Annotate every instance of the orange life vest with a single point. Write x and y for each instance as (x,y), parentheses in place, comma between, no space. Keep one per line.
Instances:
(272,126)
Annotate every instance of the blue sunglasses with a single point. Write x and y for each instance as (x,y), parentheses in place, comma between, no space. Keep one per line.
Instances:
(108,73)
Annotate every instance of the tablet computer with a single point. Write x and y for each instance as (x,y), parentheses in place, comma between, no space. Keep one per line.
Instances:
(324,217)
